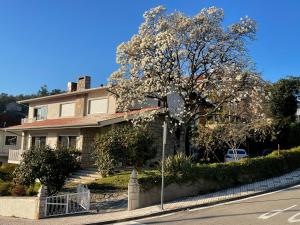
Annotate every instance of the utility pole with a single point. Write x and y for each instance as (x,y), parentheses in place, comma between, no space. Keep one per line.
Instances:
(162,164)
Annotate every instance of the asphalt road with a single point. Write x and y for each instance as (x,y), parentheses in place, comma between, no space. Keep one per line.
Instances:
(271,209)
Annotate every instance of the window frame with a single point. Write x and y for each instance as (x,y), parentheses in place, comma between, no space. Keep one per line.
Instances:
(38,136)
(95,99)
(5,141)
(66,103)
(68,136)
(40,107)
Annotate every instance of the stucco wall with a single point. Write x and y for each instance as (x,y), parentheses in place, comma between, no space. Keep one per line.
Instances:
(80,100)
(24,207)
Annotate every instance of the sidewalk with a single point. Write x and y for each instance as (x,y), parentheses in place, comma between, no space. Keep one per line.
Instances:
(181,204)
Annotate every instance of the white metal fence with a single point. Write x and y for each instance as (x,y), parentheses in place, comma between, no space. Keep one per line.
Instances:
(15,156)
(68,203)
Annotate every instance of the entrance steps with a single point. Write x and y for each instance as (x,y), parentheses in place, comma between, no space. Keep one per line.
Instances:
(84,175)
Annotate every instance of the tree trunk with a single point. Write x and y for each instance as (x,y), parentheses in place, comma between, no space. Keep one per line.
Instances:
(187,140)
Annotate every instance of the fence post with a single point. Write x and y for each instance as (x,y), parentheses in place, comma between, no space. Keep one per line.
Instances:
(42,206)
(133,191)
(67,206)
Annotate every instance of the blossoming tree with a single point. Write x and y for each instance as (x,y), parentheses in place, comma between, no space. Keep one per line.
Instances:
(193,58)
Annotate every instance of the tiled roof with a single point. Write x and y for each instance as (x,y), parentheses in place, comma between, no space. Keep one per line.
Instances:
(79,121)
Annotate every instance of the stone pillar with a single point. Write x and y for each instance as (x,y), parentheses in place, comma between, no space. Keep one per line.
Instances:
(41,197)
(133,192)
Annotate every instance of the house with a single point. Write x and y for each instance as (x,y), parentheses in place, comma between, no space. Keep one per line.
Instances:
(72,119)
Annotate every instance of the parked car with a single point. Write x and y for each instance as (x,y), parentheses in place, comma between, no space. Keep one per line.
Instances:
(266,152)
(235,155)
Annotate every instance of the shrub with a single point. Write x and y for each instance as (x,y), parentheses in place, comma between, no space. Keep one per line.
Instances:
(32,190)
(18,190)
(6,171)
(126,145)
(224,175)
(5,188)
(178,165)
(50,166)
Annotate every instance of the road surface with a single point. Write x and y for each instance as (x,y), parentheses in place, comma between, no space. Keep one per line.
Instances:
(277,208)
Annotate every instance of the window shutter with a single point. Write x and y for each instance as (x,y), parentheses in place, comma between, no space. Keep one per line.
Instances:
(67,110)
(98,106)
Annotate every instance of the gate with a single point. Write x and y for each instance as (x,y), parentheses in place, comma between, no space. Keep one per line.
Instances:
(68,203)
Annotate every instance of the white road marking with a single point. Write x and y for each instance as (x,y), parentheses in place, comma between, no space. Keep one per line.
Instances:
(293,218)
(244,199)
(275,212)
(129,223)
(161,216)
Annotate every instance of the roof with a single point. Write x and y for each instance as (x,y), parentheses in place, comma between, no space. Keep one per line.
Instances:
(66,94)
(80,122)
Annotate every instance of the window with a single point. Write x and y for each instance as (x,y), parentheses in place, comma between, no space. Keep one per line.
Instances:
(67,141)
(38,141)
(67,110)
(98,106)
(40,113)
(11,140)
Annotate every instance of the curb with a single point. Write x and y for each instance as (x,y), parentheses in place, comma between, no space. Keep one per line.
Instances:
(194,206)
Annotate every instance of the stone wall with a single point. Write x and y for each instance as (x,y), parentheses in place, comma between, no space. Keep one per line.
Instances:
(174,191)
(89,135)
(175,143)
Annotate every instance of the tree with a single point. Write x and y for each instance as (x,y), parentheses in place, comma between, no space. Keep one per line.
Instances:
(50,166)
(192,58)
(130,146)
(283,103)
(208,140)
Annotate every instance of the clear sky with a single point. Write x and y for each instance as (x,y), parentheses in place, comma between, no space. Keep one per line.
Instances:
(52,42)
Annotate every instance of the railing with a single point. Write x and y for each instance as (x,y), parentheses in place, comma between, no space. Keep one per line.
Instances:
(68,203)
(15,156)
(28,120)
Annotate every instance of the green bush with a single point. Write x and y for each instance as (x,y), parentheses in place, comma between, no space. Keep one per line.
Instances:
(6,171)
(178,165)
(50,166)
(125,145)
(218,176)
(5,188)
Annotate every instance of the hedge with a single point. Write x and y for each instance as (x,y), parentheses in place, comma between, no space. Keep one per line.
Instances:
(219,176)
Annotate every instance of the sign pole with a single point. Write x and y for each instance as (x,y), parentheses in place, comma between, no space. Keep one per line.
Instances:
(162,164)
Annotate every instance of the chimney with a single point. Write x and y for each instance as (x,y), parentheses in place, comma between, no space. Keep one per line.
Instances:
(72,86)
(84,82)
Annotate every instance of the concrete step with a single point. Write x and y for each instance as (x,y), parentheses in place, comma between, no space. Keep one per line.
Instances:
(84,175)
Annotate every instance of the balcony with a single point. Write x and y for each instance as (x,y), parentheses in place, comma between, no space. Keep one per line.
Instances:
(15,156)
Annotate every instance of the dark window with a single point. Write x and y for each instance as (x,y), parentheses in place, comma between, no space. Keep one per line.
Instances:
(38,141)
(11,140)
(67,141)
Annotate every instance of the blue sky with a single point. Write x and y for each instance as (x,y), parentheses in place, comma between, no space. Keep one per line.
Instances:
(52,42)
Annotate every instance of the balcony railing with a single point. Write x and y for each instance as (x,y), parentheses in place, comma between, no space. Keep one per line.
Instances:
(15,156)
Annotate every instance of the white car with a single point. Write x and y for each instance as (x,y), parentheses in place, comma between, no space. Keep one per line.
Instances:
(235,155)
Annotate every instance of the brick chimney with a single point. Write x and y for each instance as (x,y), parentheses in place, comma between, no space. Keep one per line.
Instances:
(83,83)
